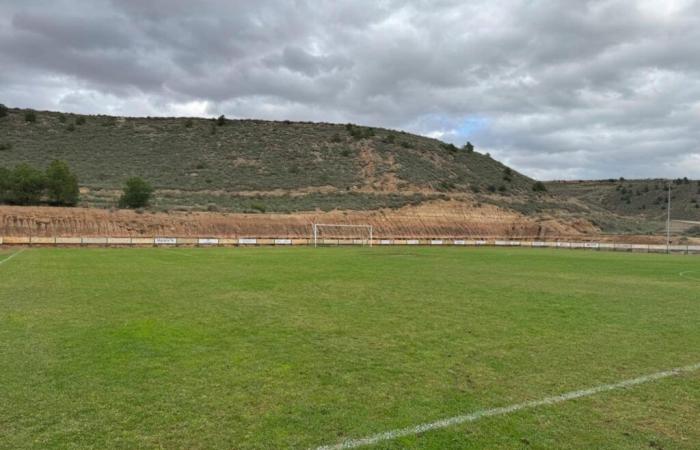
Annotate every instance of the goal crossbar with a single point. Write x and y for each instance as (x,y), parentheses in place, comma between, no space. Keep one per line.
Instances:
(315,227)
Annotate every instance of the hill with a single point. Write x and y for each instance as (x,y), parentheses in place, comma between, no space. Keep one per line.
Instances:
(255,166)
(643,202)
(252,165)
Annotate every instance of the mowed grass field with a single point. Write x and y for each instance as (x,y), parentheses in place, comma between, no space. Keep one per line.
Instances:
(299,347)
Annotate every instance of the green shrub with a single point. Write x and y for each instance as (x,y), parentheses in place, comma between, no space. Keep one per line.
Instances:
(30,116)
(539,186)
(5,185)
(61,184)
(3,110)
(80,120)
(26,185)
(70,127)
(336,138)
(468,147)
(137,193)
(221,120)
(449,147)
(188,123)
(258,207)
(5,146)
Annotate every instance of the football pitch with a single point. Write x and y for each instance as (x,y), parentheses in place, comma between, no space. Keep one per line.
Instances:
(385,347)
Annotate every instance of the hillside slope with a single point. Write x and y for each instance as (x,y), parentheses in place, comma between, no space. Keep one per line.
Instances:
(252,165)
(642,201)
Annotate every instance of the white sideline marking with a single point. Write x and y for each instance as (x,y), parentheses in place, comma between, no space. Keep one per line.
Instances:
(472,417)
(685,275)
(12,256)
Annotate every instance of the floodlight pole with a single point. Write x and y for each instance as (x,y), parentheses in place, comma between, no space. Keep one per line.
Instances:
(315,234)
(668,222)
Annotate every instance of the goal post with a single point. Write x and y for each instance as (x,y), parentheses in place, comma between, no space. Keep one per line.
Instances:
(359,234)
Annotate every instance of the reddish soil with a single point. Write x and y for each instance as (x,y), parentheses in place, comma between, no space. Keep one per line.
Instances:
(436,219)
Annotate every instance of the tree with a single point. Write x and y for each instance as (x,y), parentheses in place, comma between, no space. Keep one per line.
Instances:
(137,193)
(30,116)
(26,185)
(61,184)
(539,186)
(5,185)
(3,110)
(468,147)
(221,121)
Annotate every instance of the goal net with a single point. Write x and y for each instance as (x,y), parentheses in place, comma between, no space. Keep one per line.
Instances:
(339,234)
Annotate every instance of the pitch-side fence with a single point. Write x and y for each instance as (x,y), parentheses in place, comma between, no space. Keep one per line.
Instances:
(41,241)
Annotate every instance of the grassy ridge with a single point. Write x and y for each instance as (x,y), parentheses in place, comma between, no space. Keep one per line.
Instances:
(646,200)
(247,348)
(246,155)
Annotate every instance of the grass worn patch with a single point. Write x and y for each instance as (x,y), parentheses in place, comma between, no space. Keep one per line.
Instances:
(294,348)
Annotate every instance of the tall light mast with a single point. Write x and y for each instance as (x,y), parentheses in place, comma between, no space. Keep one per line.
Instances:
(668,221)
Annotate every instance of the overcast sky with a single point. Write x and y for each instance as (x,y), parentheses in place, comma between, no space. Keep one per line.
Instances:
(557,89)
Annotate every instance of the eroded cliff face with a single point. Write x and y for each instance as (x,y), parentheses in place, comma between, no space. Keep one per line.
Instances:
(440,218)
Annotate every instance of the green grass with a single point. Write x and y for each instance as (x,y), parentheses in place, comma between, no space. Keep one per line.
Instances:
(297,347)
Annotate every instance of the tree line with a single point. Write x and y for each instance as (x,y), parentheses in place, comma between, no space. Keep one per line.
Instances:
(58,186)
(27,185)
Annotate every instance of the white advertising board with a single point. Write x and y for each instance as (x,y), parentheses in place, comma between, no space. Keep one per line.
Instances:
(283,242)
(165,241)
(247,241)
(208,241)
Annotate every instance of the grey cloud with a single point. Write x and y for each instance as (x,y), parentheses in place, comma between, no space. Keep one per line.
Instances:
(594,88)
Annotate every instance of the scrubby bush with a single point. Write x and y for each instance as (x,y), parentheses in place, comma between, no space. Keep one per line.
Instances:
(3,110)
(5,146)
(507,175)
(221,120)
(30,116)
(80,120)
(259,207)
(468,147)
(137,193)
(539,186)
(26,185)
(5,185)
(61,184)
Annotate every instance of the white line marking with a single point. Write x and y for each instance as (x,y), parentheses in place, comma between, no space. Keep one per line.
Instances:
(12,256)
(472,417)
(685,275)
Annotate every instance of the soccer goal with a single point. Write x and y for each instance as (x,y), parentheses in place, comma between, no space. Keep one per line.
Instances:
(336,234)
